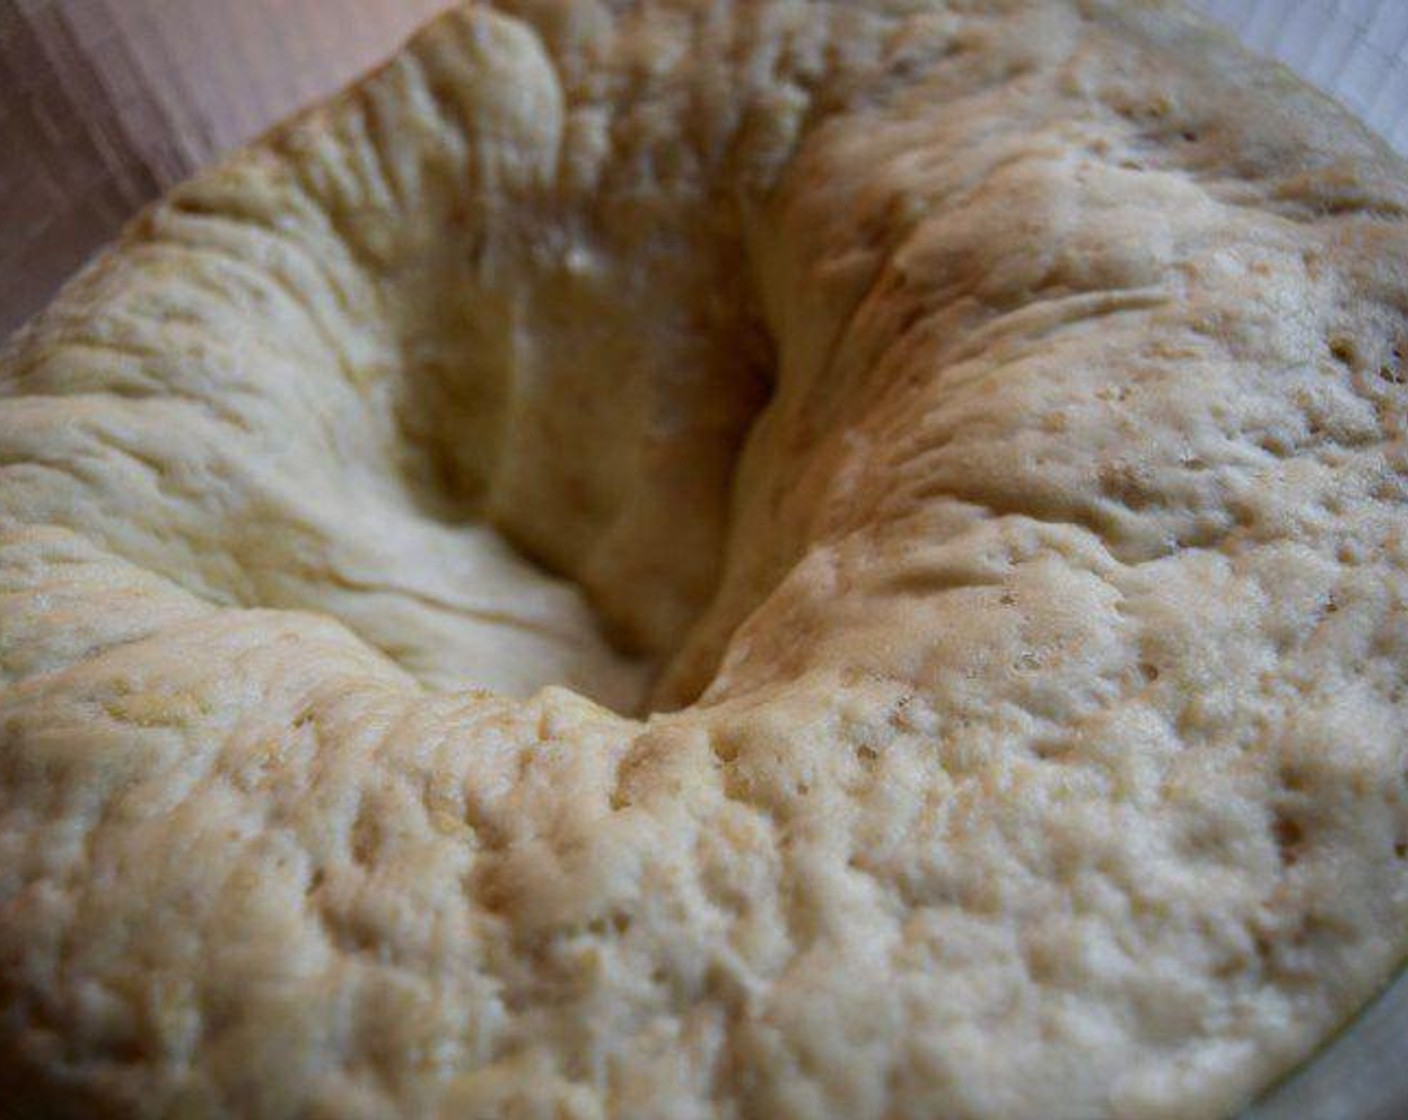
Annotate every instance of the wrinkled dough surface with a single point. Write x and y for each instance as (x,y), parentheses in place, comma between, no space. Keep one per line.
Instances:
(978,426)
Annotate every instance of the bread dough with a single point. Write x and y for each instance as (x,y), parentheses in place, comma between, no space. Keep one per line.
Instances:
(979,427)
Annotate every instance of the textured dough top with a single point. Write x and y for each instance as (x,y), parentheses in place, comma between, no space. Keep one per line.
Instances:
(982,422)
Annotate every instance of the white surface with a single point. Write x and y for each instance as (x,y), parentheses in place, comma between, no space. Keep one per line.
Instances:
(1355,49)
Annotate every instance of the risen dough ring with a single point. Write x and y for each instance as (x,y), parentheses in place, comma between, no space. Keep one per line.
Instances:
(1044,647)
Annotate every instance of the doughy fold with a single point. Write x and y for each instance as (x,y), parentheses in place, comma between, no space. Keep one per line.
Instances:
(973,430)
